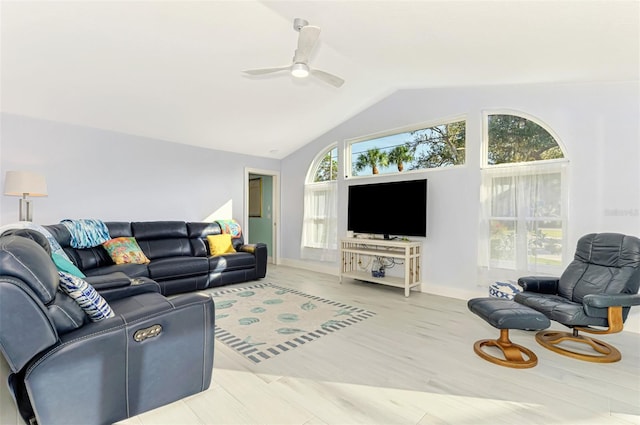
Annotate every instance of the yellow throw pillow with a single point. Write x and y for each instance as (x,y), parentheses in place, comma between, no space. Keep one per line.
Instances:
(220,244)
(125,250)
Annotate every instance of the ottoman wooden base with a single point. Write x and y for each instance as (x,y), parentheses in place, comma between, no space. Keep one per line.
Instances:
(513,353)
(504,315)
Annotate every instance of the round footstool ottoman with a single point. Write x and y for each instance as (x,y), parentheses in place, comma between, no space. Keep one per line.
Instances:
(505,314)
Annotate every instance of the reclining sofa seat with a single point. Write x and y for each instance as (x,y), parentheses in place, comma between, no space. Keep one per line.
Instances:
(179,254)
(66,369)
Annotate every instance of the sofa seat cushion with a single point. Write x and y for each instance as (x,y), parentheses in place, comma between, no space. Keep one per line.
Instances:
(172,267)
(234,261)
(131,270)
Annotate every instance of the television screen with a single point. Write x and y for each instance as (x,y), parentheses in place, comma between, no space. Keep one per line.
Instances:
(389,209)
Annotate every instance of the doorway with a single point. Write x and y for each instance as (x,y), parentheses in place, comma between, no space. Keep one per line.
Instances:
(262,194)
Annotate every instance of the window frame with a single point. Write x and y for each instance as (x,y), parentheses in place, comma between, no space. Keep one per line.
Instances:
(321,186)
(348,144)
(521,220)
(520,169)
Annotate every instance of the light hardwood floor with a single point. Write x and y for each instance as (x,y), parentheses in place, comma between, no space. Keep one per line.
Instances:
(412,363)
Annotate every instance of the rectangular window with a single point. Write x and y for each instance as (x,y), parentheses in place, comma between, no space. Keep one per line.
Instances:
(523,211)
(419,148)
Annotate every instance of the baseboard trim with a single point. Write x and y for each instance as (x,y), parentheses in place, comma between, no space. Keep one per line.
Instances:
(333,270)
(310,266)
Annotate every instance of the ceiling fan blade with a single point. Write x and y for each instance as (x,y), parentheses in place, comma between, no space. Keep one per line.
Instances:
(327,78)
(306,41)
(266,70)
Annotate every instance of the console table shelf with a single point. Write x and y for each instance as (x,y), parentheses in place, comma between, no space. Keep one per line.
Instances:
(354,249)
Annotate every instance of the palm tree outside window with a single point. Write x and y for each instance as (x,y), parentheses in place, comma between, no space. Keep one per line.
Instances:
(414,148)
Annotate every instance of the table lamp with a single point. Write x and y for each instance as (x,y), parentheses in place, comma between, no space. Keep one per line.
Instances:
(25,183)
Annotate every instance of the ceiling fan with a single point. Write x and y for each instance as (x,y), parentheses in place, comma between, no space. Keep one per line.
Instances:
(299,67)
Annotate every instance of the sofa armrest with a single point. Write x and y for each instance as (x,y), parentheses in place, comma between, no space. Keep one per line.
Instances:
(109,281)
(129,372)
(259,250)
(540,284)
(117,285)
(248,247)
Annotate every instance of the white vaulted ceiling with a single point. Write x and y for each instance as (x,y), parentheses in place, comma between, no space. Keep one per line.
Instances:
(171,70)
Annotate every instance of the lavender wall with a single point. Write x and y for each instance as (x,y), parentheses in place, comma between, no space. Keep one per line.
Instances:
(93,173)
(596,122)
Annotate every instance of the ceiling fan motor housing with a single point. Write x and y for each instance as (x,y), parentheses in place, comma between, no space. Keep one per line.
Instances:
(299,23)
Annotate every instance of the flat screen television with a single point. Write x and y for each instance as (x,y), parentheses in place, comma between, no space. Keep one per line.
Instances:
(388,209)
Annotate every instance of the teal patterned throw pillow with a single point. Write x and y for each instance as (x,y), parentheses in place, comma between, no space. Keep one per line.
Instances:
(86,296)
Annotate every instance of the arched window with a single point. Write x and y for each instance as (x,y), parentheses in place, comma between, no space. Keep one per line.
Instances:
(320,216)
(325,167)
(524,197)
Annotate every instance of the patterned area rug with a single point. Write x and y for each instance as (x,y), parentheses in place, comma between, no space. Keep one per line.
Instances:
(265,320)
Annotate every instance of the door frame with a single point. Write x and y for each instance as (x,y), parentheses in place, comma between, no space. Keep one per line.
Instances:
(275,213)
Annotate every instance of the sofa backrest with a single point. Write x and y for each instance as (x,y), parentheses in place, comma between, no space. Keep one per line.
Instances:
(33,312)
(157,239)
(83,258)
(198,233)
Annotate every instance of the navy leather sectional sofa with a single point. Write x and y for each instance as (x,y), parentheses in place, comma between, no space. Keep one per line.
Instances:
(179,254)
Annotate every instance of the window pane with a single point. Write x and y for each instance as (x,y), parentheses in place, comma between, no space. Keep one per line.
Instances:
(526,218)
(433,147)
(544,242)
(319,228)
(328,167)
(503,196)
(541,195)
(503,242)
(517,139)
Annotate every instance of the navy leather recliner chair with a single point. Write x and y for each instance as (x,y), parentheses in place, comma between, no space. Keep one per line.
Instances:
(66,369)
(593,295)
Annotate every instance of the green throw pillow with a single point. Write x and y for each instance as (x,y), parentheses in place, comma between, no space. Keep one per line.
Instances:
(65,265)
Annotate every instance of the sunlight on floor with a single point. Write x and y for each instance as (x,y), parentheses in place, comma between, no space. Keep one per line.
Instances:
(338,402)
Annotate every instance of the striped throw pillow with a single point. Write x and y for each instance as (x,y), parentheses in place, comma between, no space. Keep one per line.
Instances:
(86,296)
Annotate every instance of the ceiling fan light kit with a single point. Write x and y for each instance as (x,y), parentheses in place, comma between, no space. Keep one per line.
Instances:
(300,70)
(299,67)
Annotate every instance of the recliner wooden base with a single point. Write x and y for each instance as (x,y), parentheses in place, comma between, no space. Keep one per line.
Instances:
(606,352)
(513,353)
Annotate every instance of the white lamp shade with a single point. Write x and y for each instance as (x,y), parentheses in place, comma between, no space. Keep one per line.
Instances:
(18,183)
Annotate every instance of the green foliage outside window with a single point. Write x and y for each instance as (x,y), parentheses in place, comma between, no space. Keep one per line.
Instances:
(445,146)
(372,158)
(328,168)
(517,139)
